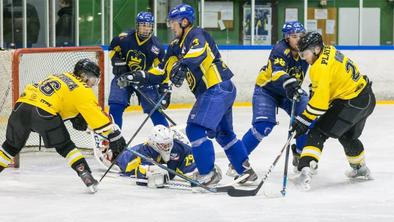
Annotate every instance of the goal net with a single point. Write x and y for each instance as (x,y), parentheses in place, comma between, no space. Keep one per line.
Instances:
(24,66)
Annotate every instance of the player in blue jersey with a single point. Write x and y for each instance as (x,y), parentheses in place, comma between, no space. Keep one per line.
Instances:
(163,148)
(194,56)
(276,85)
(131,51)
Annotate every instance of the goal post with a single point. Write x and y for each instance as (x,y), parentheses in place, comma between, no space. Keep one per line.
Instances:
(24,66)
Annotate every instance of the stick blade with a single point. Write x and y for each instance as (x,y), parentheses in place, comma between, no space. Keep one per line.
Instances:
(241,193)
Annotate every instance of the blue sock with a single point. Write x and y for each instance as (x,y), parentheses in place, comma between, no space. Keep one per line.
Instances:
(202,148)
(237,155)
(158,118)
(116,110)
(254,135)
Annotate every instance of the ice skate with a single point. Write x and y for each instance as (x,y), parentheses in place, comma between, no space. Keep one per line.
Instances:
(303,180)
(89,181)
(231,171)
(249,176)
(211,179)
(359,171)
(86,177)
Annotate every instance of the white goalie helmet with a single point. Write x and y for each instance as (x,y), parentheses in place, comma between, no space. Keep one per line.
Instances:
(161,140)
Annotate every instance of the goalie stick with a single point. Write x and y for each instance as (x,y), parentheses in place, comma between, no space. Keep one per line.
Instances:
(234,192)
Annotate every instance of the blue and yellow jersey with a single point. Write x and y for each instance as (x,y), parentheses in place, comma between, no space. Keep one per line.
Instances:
(181,159)
(333,76)
(281,64)
(138,54)
(199,52)
(67,96)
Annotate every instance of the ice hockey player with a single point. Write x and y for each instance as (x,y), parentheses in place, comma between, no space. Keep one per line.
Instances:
(163,148)
(132,51)
(43,107)
(276,85)
(341,101)
(194,56)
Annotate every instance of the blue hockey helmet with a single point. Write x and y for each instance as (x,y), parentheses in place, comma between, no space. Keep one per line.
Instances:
(145,22)
(180,12)
(292,27)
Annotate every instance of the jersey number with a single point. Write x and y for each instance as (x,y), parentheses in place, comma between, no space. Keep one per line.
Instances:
(49,87)
(354,72)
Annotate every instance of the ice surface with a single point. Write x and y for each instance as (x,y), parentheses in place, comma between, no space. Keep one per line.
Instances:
(46,189)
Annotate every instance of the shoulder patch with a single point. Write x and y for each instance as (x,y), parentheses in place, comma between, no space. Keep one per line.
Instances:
(155,50)
(123,34)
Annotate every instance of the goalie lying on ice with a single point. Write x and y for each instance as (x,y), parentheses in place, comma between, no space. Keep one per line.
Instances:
(162,147)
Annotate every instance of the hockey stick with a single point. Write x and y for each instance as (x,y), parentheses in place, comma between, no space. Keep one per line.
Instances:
(162,166)
(158,104)
(153,103)
(234,192)
(285,170)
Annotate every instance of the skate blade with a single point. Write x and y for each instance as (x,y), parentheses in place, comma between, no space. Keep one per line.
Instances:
(93,188)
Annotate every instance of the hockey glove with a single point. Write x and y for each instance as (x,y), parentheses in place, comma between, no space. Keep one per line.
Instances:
(163,88)
(300,126)
(135,77)
(178,73)
(79,123)
(292,88)
(119,66)
(116,143)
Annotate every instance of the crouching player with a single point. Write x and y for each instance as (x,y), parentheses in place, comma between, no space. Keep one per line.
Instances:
(163,148)
(341,101)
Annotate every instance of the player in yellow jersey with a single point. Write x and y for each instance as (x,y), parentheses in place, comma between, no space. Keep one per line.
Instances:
(341,100)
(43,107)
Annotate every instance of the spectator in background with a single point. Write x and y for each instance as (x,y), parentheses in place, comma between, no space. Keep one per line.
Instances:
(13,24)
(65,24)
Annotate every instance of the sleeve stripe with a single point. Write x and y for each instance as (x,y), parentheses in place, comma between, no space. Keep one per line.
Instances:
(103,128)
(317,108)
(315,112)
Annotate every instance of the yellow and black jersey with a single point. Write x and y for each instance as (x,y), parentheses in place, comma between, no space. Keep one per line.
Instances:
(200,54)
(67,96)
(333,76)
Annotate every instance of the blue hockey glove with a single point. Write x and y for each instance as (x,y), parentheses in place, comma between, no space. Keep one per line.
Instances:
(135,77)
(178,73)
(119,66)
(163,88)
(300,126)
(292,88)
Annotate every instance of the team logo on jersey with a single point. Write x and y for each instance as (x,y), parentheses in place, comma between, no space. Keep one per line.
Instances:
(297,72)
(191,80)
(136,60)
(155,50)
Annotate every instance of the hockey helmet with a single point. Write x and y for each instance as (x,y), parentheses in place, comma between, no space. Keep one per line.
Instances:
(292,27)
(161,140)
(310,40)
(181,11)
(145,19)
(87,70)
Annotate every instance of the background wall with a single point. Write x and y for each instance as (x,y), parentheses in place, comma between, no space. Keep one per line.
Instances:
(245,65)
